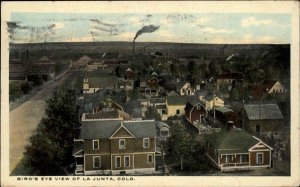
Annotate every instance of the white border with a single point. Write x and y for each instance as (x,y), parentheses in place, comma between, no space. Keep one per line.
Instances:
(158,7)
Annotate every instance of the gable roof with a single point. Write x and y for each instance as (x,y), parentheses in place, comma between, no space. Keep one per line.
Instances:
(268,84)
(84,58)
(189,106)
(263,111)
(105,129)
(182,100)
(232,141)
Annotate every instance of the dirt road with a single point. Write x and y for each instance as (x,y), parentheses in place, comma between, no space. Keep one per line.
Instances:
(24,119)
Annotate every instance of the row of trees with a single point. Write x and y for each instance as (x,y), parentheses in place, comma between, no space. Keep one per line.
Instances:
(50,147)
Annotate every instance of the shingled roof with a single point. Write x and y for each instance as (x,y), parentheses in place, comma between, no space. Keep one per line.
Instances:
(182,100)
(232,141)
(105,129)
(263,111)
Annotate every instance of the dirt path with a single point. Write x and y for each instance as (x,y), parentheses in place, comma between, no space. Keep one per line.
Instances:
(24,119)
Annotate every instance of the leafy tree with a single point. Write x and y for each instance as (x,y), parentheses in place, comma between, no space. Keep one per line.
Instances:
(152,113)
(14,91)
(50,146)
(180,144)
(235,94)
(25,87)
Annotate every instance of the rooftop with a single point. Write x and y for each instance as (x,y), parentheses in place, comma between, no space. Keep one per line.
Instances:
(232,141)
(105,129)
(263,111)
(182,100)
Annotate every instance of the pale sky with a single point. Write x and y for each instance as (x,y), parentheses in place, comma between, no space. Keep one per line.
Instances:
(235,28)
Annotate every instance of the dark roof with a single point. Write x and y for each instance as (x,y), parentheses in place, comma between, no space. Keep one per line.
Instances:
(233,141)
(189,106)
(263,111)
(223,109)
(211,97)
(104,81)
(268,84)
(105,129)
(182,100)
(103,115)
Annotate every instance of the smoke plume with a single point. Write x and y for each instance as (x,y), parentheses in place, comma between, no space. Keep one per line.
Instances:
(145,29)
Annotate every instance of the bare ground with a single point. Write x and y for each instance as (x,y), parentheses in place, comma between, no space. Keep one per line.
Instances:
(24,119)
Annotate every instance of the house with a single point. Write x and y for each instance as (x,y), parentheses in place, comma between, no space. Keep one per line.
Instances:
(262,119)
(229,80)
(211,101)
(186,89)
(95,64)
(153,82)
(237,150)
(226,115)
(273,87)
(98,80)
(44,67)
(129,74)
(176,104)
(195,113)
(82,62)
(163,131)
(266,87)
(115,147)
(17,70)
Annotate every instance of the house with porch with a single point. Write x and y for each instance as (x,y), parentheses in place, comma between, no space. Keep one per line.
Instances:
(115,147)
(237,150)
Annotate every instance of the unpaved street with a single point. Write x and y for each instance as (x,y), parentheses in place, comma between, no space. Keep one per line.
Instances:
(24,119)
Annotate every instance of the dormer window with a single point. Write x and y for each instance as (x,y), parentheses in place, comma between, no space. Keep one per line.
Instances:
(86,80)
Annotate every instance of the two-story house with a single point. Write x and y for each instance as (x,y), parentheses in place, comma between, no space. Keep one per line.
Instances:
(115,146)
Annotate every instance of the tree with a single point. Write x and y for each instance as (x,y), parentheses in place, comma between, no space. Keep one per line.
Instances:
(25,87)
(235,94)
(180,144)
(152,113)
(50,147)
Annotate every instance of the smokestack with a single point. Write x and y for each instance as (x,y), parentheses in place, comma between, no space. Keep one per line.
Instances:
(133,47)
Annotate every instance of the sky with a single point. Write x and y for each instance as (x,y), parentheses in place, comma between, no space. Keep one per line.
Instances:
(182,28)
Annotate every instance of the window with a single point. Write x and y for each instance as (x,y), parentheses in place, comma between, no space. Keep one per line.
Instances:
(228,158)
(243,158)
(146,142)
(198,107)
(117,161)
(126,161)
(259,158)
(150,158)
(96,162)
(95,144)
(122,144)
(177,111)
